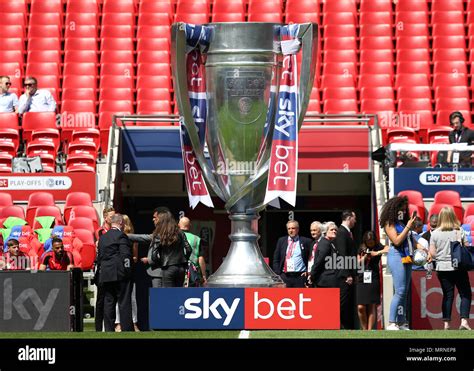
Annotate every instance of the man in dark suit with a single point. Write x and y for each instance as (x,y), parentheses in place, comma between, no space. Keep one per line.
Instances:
(290,259)
(460,134)
(433,225)
(115,262)
(346,247)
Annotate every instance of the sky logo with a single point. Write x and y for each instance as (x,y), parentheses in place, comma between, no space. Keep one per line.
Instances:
(431,178)
(239,308)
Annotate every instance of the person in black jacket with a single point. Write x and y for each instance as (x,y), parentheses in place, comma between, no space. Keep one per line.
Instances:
(169,249)
(290,259)
(324,272)
(346,248)
(460,134)
(115,262)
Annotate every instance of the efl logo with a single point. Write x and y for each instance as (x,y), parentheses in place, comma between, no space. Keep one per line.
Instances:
(4,183)
(235,308)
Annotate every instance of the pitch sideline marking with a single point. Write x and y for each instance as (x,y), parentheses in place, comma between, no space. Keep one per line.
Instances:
(244,334)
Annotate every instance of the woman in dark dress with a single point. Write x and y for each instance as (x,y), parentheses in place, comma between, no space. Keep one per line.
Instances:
(368,286)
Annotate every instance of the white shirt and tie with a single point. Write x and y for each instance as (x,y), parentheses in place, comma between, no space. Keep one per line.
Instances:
(40,101)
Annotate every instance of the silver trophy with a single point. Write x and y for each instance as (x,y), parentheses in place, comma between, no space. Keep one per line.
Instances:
(243,62)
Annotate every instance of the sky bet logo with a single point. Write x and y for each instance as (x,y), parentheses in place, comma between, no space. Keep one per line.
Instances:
(441,178)
(239,308)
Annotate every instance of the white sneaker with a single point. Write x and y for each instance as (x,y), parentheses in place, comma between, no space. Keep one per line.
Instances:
(392,327)
(404,327)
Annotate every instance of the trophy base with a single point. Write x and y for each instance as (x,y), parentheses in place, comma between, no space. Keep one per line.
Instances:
(244,265)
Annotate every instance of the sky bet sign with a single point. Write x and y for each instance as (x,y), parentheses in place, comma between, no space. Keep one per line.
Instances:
(239,308)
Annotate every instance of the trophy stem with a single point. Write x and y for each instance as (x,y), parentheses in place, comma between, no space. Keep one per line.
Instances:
(244,265)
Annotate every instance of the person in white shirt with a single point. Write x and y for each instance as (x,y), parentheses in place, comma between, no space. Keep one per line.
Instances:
(8,101)
(34,100)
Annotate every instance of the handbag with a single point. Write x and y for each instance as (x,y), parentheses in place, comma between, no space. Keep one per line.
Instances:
(462,257)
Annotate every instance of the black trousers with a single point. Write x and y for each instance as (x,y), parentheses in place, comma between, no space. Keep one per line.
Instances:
(448,280)
(173,275)
(99,308)
(118,292)
(293,279)
(347,305)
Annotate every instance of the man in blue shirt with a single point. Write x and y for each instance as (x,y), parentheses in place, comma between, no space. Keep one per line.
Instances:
(8,101)
(34,100)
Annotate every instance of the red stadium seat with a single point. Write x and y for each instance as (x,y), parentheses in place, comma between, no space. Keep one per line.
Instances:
(35,69)
(406,17)
(375,80)
(14,19)
(80,56)
(116,81)
(84,211)
(376,92)
(302,17)
(454,17)
(78,106)
(340,43)
(117,69)
(7,146)
(449,42)
(82,147)
(339,30)
(373,55)
(405,79)
(82,6)
(82,81)
(411,92)
(453,104)
(411,55)
(118,19)
(50,6)
(414,104)
(413,42)
(80,159)
(79,94)
(37,120)
(14,210)
(9,120)
(82,223)
(340,106)
(414,197)
(414,67)
(163,82)
(196,18)
(82,19)
(91,135)
(374,30)
(337,81)
(88,252)
(154,19)
(411,29)
(18,6)
(377,105)
(121,6)
(117,56)
(376,68)
(379,42)
(448,29)
(448,197)
(116,43)
(45,19)
(42,56)
(339,18)
(119,95)
(153,6)
(42,31)
(81,31)
(6,199)
(147,107)
(121,31)
(47,135)
(153,44)
(443,54)
(339,93)
(80,69)
(340,56)
(115,105)
(375,6)
(469,212)
(47,211)
(76,199)
(37,199)
(151,69)
(13,44)
(76,43)
(153,93)
(151,32)
(343,68)
(452,91)
(449,79)
(340,6)
(13,31)
(80,168)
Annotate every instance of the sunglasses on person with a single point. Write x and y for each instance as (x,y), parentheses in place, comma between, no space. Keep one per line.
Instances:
(29,84)
(8,83)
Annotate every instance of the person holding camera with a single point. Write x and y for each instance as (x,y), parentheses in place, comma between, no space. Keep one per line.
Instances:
(460,134)
(368,283)
(397,224)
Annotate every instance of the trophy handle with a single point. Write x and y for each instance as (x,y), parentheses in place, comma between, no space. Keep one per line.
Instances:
(308,33)
(309,37)
(178,63)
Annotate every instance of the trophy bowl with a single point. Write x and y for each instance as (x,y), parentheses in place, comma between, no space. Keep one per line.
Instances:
(230,81)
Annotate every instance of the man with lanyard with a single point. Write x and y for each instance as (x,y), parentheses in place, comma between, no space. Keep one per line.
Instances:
(291,256)
(316,233)
(196,275)
(460,134)
(57,259)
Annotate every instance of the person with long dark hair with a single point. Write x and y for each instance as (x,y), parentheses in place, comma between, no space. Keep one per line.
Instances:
(397,225)
(169,249)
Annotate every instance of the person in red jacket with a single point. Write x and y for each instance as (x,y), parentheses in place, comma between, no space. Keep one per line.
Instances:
(57,259)
(14,259)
